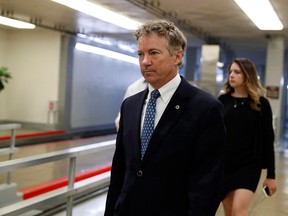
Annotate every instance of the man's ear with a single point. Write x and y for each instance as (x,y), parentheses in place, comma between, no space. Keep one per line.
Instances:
(178,57)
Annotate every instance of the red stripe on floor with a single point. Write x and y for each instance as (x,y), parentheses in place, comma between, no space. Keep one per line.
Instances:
(30,135)
(62,182)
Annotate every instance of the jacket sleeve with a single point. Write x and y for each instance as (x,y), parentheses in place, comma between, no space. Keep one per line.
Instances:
(117,176)
(267,139)
(206,179)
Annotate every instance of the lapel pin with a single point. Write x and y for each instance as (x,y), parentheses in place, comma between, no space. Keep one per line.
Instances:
(177,107)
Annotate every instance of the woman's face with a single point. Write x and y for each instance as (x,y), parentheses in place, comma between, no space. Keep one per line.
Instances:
(236,76)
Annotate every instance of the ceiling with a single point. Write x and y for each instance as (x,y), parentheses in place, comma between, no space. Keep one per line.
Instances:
(203,21)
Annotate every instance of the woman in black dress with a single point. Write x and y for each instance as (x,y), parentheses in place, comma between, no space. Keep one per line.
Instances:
(250,137)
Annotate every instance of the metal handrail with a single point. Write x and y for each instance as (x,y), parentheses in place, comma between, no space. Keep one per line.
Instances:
(11,149)
(72,154)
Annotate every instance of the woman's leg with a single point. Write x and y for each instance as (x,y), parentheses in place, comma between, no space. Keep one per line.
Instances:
(237,202)
(241,202)
(227,203)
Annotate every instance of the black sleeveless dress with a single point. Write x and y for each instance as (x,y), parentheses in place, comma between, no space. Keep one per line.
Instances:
(242,169)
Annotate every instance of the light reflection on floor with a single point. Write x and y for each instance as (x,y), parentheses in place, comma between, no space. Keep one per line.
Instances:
(92,207)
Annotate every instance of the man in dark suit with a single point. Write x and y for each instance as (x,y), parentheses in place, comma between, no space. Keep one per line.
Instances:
(180,173)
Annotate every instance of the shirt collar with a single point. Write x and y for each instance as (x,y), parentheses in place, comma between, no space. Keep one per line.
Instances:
(167,91)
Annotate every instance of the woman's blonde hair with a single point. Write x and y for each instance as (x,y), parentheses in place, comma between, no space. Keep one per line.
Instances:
(251,81)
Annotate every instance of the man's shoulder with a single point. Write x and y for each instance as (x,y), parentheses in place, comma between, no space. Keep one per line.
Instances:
(195,95)
(200,93)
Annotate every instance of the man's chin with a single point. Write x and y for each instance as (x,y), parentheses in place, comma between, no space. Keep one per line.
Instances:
(149,75)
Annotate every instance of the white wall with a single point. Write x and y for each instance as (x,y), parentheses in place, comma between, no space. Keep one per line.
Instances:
(3,62)
(32,57)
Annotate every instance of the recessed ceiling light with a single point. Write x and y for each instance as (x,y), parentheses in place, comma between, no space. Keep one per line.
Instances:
(261,13)
(106,53)
(15,23)
(100,12)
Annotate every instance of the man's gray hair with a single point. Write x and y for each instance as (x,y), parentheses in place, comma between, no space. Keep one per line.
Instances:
(163,28)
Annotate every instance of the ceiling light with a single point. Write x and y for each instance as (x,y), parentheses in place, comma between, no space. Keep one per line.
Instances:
(261,13)
(220,64)
(106,53)
(103,41)
(100,12)
(15,23)
(126,47)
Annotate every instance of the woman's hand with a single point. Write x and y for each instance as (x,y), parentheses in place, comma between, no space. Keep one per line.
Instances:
(271,184)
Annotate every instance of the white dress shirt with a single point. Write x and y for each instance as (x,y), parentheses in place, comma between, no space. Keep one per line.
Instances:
(166,93)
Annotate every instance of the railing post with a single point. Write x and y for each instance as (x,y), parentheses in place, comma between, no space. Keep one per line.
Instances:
(71,180)
(8,191)
(12,146)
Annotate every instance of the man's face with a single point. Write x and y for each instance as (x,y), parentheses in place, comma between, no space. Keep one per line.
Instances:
(157,65)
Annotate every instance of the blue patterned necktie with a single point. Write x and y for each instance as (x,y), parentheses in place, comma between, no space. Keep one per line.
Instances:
(148,125)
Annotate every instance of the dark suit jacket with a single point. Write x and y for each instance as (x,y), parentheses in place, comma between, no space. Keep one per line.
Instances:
(181,172)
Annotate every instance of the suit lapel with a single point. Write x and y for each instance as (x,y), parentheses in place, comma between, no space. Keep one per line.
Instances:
(170,116)
(135,122)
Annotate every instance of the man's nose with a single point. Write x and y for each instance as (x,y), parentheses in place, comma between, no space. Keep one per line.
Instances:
(146,60)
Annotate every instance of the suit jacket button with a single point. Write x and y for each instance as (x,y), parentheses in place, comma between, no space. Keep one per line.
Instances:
(139,173)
